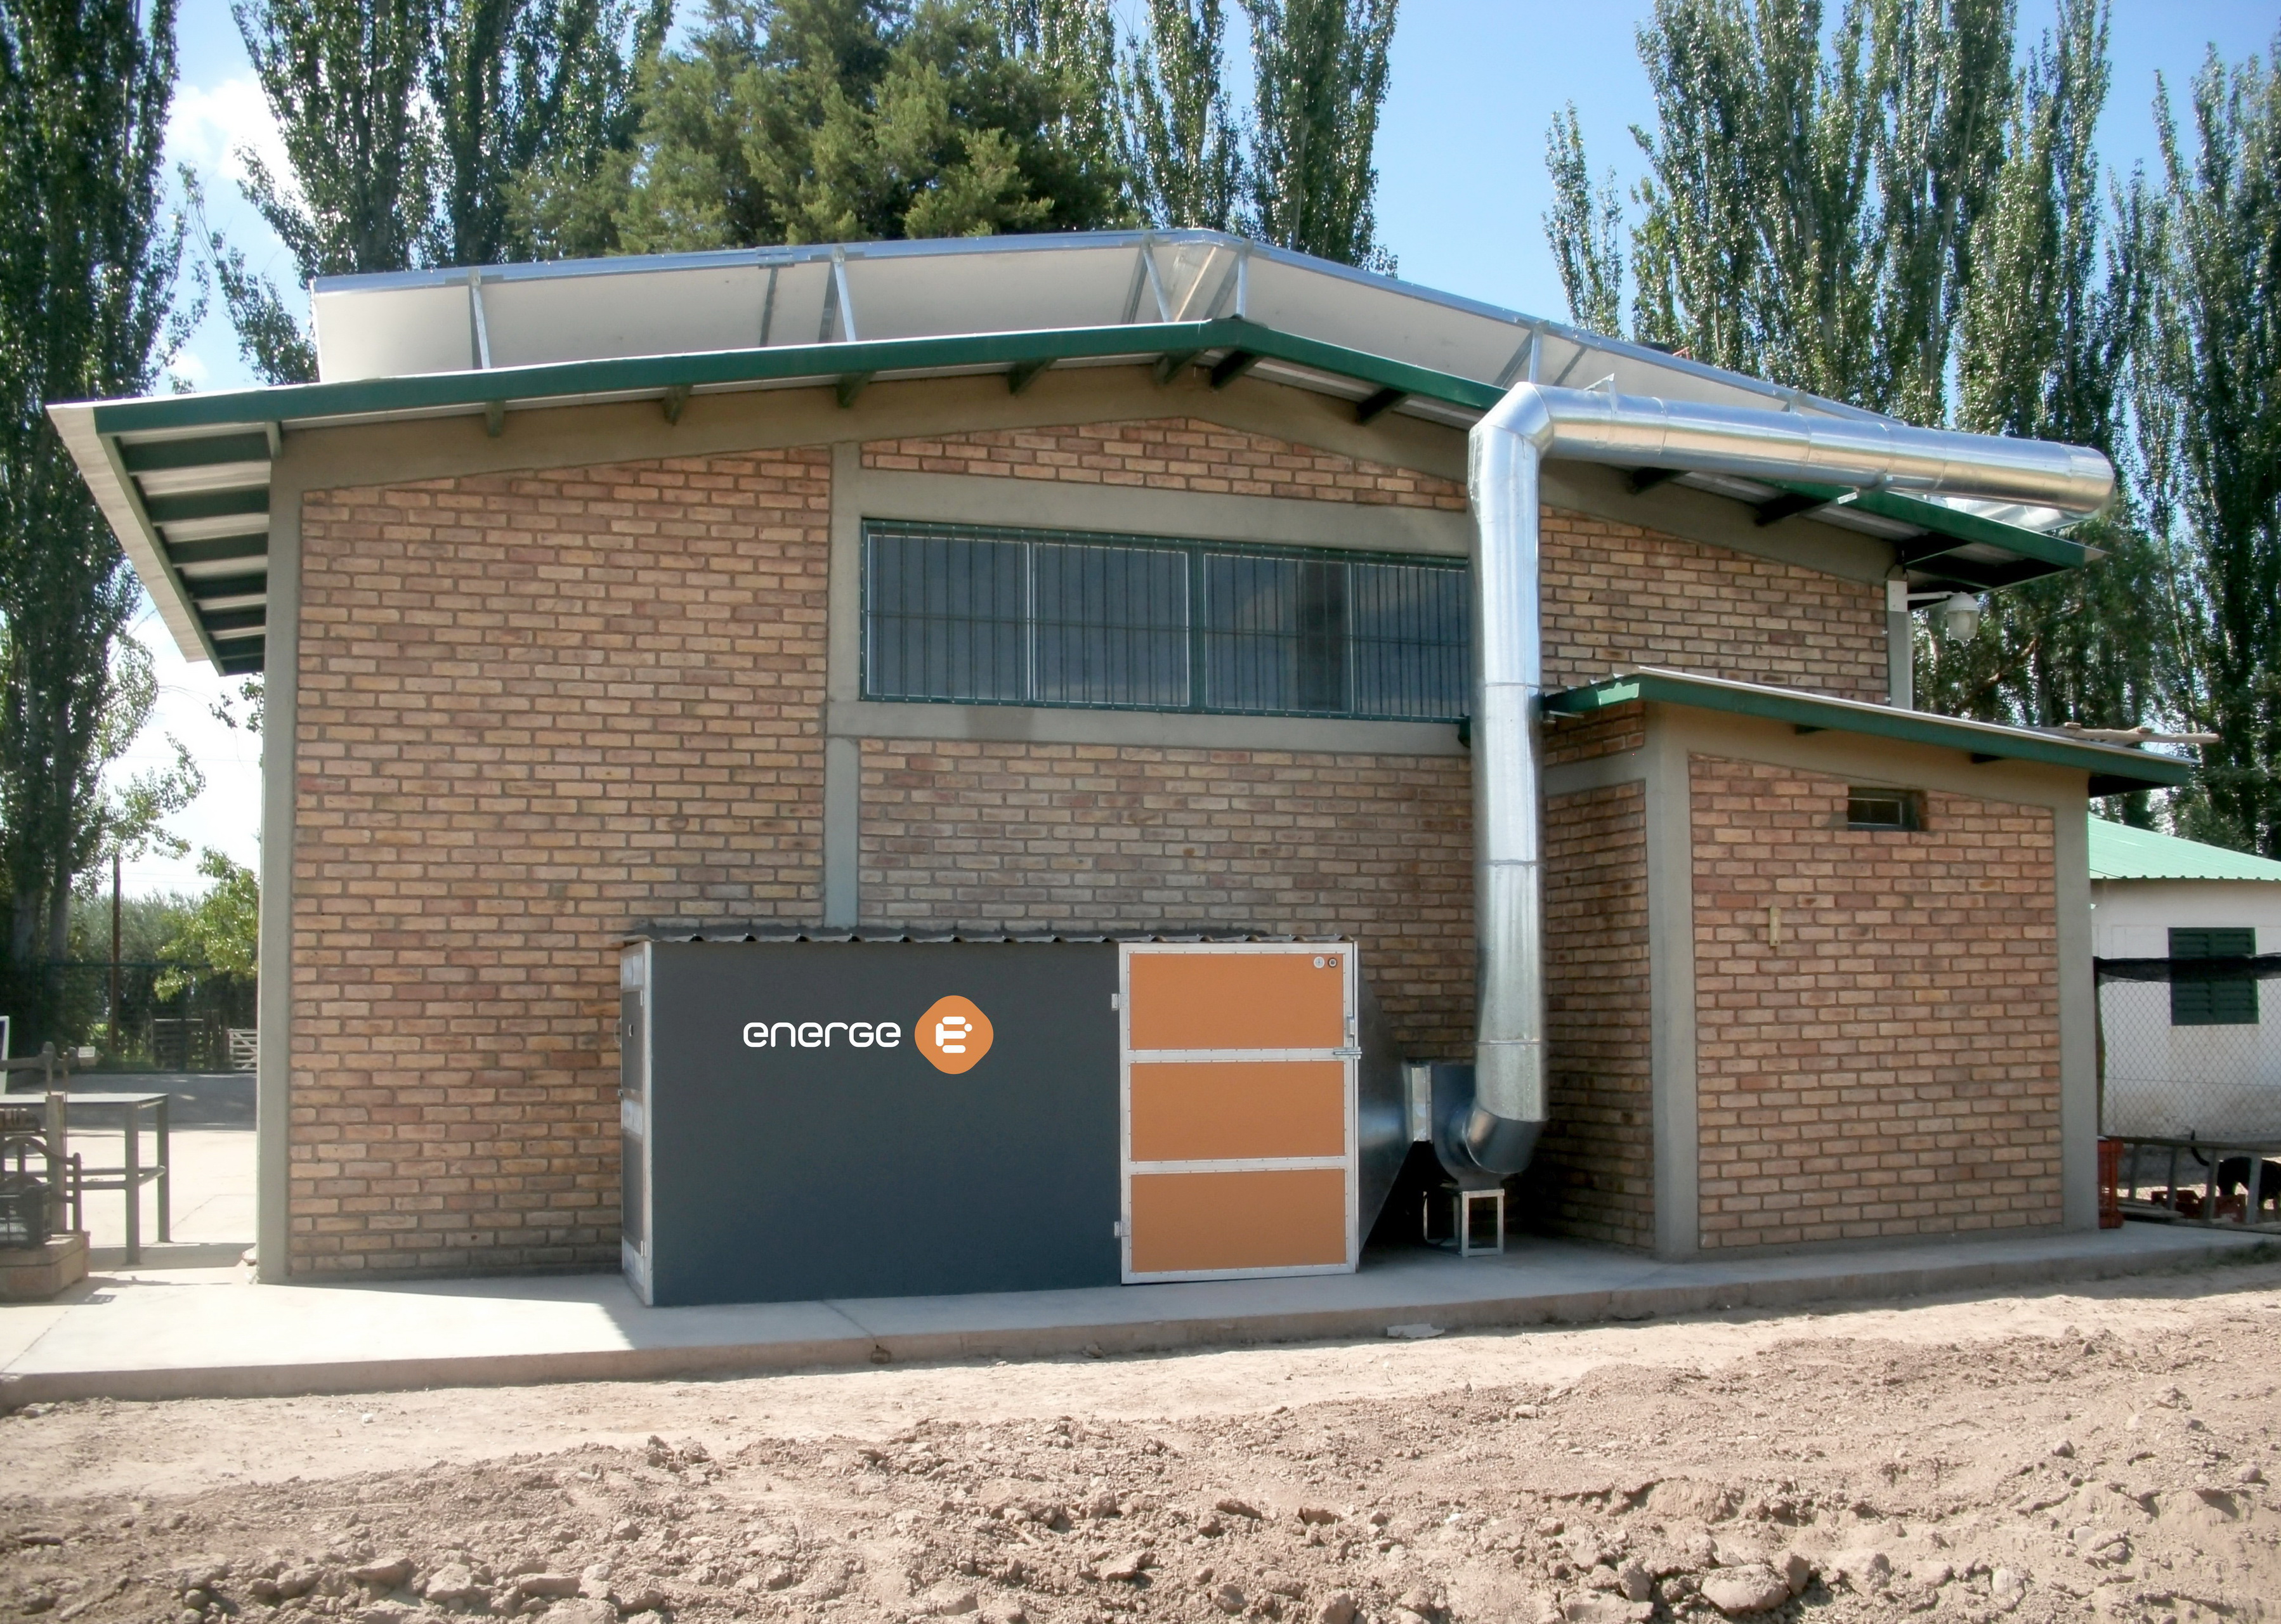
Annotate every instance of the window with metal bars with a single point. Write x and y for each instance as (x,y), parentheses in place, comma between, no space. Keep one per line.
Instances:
(961,615)
(2231,1002)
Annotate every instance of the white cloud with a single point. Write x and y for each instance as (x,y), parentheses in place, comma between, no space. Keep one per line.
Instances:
(208,126)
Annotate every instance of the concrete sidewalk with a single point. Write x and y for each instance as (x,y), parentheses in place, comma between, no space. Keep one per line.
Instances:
(162,1333)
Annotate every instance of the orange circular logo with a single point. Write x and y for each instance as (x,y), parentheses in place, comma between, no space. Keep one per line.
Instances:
(954,1035)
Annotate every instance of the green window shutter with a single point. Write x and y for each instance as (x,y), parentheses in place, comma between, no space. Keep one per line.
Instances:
(2214,1003)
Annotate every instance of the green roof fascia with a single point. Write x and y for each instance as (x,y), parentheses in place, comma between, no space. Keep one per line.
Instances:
(2111,764)
(1955,524)
(430,392)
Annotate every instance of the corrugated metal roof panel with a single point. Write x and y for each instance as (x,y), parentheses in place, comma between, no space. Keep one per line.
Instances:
(2120,852)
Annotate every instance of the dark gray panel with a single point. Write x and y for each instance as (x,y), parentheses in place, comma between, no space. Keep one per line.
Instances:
(789,1173)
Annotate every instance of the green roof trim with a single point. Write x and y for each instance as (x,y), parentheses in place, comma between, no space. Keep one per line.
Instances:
(2114,769)
(293,403)
(2120,852)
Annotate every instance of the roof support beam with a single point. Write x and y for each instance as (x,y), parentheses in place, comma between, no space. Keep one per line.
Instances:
(1639,481)
(1788,505)
(1233,365)
(677,398)
(1022,374)
(1173,364)
(495,418)
(850,385)
(1373,407)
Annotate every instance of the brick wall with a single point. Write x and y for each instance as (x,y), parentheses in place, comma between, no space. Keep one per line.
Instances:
(1101,837)
(1891,1066)
(1601,733)
(1617,595)
(1595,1170)
(1168,454)
(534,709)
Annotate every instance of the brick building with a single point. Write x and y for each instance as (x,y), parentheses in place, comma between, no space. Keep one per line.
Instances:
(1108,583)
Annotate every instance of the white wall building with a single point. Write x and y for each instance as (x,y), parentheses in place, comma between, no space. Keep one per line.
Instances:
(2187,1058)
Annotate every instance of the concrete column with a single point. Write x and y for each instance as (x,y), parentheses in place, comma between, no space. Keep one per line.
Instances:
(1901,647)
(280,726)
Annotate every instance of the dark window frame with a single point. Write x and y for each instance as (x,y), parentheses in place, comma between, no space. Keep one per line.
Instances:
(1909,819)
(1365,656)
(2229,1002)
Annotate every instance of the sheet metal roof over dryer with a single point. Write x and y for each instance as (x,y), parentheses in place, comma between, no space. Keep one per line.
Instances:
(184,480)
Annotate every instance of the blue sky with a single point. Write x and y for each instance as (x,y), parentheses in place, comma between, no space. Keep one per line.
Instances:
(1462,193)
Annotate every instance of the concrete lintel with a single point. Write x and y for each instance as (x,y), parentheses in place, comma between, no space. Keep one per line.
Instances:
(1010,724)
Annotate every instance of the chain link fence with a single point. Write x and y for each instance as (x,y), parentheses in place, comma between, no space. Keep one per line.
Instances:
(2190,1048)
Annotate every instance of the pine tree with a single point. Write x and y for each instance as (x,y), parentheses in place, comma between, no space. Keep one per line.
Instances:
(1318,80)
(830,120)
(87,273)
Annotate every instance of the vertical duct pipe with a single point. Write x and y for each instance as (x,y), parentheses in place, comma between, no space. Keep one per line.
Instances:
(1511,1081)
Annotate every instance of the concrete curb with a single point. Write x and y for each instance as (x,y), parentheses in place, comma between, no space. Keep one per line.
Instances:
(724,1359)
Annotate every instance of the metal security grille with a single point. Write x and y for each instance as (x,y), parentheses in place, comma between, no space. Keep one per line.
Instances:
(990,617)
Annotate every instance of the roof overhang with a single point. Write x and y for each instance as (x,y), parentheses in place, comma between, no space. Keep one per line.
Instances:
(2114,769)
(184,479)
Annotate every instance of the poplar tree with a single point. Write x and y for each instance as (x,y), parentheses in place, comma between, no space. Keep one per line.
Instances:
(1183,148)
(87,272)
(1319,80)
(2051,323)
(425,132)
(2210,421)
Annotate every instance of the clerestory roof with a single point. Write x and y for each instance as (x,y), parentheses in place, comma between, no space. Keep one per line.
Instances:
(184,479)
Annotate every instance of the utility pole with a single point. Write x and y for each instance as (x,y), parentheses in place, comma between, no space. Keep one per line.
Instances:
(116,1047)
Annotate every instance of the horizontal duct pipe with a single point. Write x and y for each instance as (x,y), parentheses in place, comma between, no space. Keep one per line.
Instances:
(1509,446)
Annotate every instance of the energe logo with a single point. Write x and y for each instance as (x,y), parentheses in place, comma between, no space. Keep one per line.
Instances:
(954,1035)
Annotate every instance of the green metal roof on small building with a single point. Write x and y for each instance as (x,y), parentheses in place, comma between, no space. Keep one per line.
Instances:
(2120,852)
(2114,769)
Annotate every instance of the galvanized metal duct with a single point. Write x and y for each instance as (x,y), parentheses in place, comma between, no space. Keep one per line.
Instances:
(1533,422)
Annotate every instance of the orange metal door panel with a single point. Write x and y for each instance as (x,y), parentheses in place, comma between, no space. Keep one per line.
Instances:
(1233,1109)
(1193,1222)
(1207,1000)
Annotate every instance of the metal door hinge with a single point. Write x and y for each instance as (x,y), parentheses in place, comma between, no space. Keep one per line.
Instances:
(1116,1229)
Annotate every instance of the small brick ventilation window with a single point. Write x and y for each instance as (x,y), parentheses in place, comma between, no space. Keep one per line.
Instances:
(1884,809)
(966,616)
(2229,1002)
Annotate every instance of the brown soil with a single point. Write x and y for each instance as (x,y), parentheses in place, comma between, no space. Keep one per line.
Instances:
(2096,1454)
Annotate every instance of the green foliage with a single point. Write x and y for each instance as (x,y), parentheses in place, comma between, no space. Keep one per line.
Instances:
(1318,80)
(146,924)
(421,132)
(87,273)
(1182,147)
(220,931)
(2210,419)
(836,120)
(1585,226)
(1947,248)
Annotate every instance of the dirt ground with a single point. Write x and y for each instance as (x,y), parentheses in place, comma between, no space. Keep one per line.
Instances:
(2099,1453)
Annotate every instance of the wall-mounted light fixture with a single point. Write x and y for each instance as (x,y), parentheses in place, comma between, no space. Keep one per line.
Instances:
(1957,614)
(1960,617)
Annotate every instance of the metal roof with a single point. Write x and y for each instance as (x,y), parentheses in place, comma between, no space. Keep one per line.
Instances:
(185,479)
(2120,852)
(2113,768)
